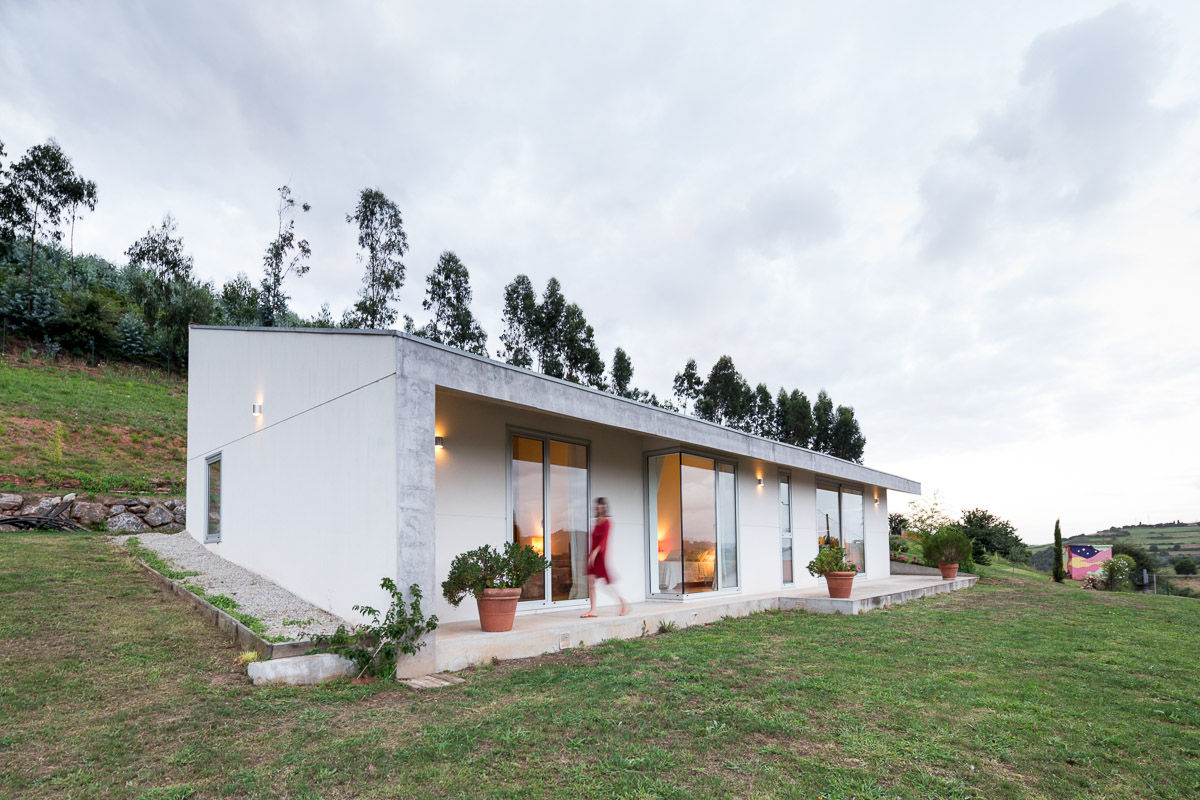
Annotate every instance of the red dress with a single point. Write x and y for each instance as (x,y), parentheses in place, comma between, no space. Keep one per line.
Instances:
(599,543)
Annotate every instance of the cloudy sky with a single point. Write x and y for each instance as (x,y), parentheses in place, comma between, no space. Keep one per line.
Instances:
(978,224)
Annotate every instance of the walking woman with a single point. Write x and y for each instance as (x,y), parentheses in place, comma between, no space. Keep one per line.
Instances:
(598,558)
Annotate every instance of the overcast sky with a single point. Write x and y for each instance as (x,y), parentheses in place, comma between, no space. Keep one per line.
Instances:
(978,224)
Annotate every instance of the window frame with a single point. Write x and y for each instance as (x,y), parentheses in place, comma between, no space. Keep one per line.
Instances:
(209,536)
(785,476)
(856,488)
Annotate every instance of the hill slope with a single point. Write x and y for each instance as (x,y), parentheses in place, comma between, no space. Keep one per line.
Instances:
(105,429)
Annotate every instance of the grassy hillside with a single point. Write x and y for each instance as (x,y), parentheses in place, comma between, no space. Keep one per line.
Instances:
(64,425)
(1167,542)
(1018,688)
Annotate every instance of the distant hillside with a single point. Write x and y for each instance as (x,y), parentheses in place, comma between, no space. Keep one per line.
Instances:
(106,429)
(1168,542)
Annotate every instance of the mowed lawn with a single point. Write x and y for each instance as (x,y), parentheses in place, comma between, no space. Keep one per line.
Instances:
(1017,688)
(103,429)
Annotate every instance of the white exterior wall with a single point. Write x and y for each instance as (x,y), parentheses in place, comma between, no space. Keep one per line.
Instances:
(308,490)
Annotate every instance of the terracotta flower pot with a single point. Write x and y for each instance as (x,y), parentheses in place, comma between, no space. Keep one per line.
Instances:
(949,571)
(840,583)
(497,608)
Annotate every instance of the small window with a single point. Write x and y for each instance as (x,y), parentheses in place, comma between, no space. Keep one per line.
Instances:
(213,534)
(785,526)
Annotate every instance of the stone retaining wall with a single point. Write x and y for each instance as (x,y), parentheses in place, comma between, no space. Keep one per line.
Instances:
(130,514)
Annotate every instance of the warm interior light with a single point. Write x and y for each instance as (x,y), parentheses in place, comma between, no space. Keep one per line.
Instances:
(662,555)
(537,543)
(439,442)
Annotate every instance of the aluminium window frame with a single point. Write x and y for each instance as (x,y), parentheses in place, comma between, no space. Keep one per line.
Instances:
(209,537)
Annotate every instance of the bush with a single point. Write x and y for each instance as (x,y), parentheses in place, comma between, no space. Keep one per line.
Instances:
(948,545)
(897,544)
(375,647)
(1117,571)
(1185,566)
(486,568)
(831,558)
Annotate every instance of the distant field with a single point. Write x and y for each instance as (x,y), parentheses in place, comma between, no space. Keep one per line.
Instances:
(104,429)
(1164,541)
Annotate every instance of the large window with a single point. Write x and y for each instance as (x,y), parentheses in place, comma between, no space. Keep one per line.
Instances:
(549,480)
(840,519)
(785,525)
(213,493)
(693,512)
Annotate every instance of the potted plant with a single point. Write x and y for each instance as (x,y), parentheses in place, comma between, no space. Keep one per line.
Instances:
(831,564)
(495,579)
(946,548)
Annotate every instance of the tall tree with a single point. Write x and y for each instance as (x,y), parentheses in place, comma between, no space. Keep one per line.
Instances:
(846,439)
(551,318)
(823,421)
(1059,571)
(764,419)
(80,194)
(167,298)
(688,384)
(581,359)
(726,397)
(448,296)
(285,255)
(159,252)
(795,418)
(622,373)
(239,301)
(520,319)
(38,189)
(382,243)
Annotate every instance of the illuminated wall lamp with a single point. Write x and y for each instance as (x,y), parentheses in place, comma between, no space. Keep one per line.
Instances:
(760,481)
(256,409)
(439,442)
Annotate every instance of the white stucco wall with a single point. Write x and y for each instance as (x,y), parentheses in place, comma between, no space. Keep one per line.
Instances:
(309,488)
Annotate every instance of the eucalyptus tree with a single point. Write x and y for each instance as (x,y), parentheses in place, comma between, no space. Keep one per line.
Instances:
(382,244)
(846,438)
(726,398)
(520,319)
(36,192)
(581,359)
(239,301)
(687,385)
(162,284)
(285,255)
(80,194)
(822,423)
(794,418)
(448,297)
(763,414)
(550,323)
(622,374)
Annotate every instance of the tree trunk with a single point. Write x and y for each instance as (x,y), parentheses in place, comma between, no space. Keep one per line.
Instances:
(73,248)
(32,238)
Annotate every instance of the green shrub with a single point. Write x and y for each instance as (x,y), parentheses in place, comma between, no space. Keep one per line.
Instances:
(375,647)
(948,545)
(487,568)
(1185,566)
(1117,571)
(831,558)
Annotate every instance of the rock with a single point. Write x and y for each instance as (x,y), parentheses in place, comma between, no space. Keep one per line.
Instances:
(300,670)
(127,522)
(157,515)
(138,509)
(88,513)
(173,527)
(170,504)
(181,512)
(10,501)
(146,501)
(7,528)
(67,498)
(39,507)
(115,510)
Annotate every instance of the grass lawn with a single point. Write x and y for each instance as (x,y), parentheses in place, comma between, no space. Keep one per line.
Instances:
(103,429)
(1017,688)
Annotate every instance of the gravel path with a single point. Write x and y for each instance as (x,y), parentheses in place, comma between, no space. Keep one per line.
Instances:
(279,609)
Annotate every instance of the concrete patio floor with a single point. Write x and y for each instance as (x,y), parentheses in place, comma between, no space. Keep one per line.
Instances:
(463,644)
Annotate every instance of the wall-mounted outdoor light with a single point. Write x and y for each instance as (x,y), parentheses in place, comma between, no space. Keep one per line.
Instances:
(760,481)
(256,409)
(439,442)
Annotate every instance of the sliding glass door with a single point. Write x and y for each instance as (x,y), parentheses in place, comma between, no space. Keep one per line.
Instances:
(549,481)
(693,513)
(840,519)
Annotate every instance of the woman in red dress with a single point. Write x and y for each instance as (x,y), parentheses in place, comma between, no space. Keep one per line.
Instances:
(597,558)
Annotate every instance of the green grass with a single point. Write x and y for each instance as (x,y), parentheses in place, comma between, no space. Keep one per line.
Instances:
(111,687)
(100,429)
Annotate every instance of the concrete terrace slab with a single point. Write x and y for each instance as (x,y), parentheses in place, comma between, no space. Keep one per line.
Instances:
(463,644)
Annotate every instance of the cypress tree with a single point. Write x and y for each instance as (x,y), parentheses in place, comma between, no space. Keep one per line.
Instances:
(1059,571)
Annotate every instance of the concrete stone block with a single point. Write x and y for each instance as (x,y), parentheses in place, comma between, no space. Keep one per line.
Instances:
(300,670)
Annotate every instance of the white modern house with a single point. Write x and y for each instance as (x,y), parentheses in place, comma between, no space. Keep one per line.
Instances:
(325,460)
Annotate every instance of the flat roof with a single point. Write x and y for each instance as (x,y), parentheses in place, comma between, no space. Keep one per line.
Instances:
(452,368)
